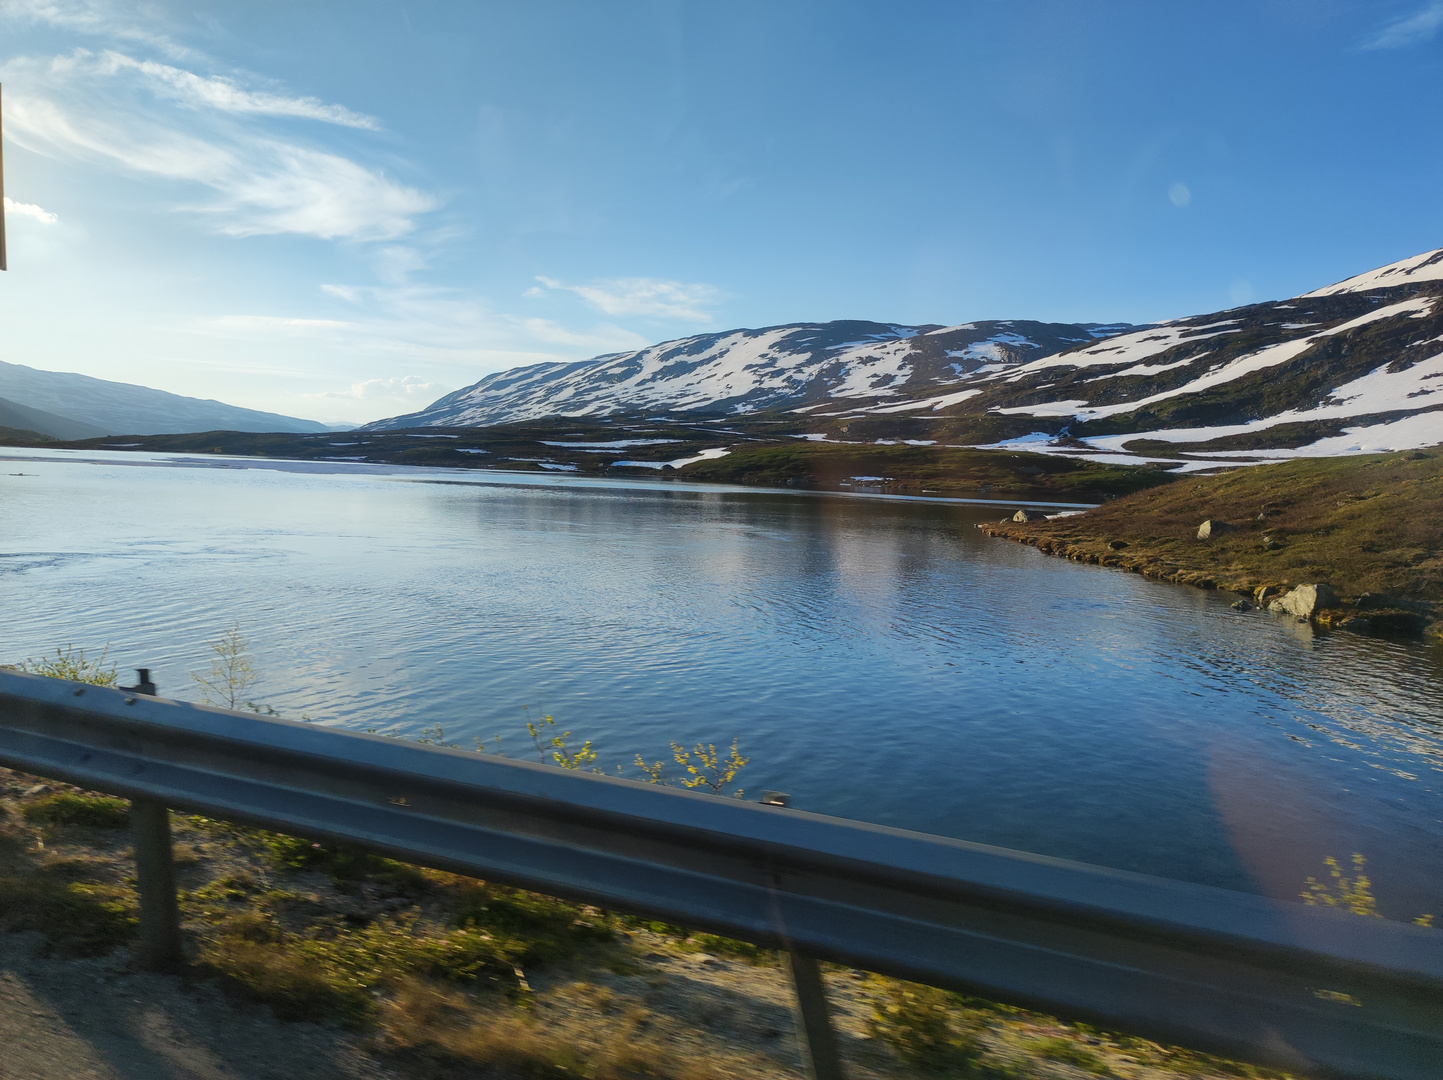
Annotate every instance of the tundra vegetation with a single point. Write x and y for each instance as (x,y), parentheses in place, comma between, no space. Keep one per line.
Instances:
(1370,526)
(764,450)
(435,975)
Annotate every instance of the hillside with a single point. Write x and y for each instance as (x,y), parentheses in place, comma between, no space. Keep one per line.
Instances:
(634,447)
(1370,524)
(23,419)
(77,406)
(1349,368)
(797,366)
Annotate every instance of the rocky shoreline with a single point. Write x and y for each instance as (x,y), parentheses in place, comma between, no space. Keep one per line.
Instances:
(1314,602)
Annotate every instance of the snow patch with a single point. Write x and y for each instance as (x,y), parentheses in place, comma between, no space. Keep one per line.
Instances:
(1425,267)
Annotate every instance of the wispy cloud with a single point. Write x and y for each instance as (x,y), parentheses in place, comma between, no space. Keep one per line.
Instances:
(597,339)
(404,389)
(137,22)
(641,296)
(1423,25)
(260,183)
(30,210)
(224,94)
(426,324)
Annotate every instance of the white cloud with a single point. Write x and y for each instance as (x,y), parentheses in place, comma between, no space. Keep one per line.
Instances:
(30,210)
(133,22)
(1413,29)
(407,389)
(76,107)
(349,293)
(218,92)
(641,296)
(260,184)
(1180,194)
(599,339)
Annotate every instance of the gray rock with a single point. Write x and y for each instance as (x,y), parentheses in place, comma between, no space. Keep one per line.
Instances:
(1029,515)
(1307,600)
(1212,528)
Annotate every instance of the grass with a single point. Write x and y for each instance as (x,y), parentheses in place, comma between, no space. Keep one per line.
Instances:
(1367,524)
(1057,1048)
(761,454)
(911,469)
(434,1031)
(77,918)
(89,811)
(440,975)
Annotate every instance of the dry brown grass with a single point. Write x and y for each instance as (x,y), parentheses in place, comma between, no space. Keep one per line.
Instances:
(437,1032)
(1370,524)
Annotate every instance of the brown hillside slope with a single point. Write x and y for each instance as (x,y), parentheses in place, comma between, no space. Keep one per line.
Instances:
(1368,524)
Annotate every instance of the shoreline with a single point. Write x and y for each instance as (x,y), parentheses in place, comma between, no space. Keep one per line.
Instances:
(647,479)
(1366,531)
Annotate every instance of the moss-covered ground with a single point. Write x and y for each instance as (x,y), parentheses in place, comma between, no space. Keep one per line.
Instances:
(1364,525)
(921,470)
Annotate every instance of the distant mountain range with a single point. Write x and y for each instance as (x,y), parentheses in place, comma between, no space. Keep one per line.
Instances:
(68,406)
(1350,367)
(747,371)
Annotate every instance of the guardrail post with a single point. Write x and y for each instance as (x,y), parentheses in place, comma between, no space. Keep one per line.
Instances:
(819,1041)
(154,871)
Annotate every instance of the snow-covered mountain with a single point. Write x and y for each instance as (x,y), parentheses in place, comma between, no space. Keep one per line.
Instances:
(101,407)
(1351,367)
(746,371)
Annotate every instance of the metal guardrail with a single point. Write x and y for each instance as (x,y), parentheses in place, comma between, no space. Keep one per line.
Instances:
(1276,983)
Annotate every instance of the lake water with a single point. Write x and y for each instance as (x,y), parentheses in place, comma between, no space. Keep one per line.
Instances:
(878,659)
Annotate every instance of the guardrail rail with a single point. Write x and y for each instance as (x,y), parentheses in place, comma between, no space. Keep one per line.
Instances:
(1273,982)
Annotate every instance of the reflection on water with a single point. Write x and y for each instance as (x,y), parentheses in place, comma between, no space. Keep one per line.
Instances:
(880,660)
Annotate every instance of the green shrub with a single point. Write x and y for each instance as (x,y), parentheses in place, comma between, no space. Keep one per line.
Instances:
(545,929)
(72,664)
(65,808)
(343,863)
(1070,1051)
(76,919)
(916,1022)
(314,977)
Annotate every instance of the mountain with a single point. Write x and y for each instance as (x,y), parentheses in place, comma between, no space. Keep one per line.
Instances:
(1351,367)
(23,418)
(73,406)
(746,371)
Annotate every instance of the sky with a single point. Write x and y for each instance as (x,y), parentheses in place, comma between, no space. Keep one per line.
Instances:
(342,211)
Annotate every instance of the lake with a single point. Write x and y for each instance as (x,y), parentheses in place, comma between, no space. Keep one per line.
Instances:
(878,659)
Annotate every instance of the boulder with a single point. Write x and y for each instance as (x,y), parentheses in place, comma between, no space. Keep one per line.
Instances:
(1242,605)
(1117,545)
(1029,515)
(1213,528)
(1263,593)
(1307,600)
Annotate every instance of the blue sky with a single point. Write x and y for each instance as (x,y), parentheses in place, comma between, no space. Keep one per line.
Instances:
(344,210)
